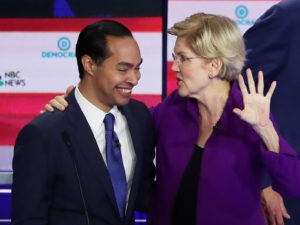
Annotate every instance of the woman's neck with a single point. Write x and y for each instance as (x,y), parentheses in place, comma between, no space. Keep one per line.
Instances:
(211,105)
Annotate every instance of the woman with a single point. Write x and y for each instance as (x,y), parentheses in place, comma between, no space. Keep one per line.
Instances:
(215,142)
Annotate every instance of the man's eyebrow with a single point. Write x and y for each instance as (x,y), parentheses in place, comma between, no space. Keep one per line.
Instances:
(130,65)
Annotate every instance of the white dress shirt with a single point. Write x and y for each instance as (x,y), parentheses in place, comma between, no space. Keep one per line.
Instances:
(95,117)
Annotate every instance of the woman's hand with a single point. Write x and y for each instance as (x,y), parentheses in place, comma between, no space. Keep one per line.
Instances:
(256,110)
(273,207)
(59,102)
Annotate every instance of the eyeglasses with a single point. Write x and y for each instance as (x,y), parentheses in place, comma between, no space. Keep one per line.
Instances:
(180,59)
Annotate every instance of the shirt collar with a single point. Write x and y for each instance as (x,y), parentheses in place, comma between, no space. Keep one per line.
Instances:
(94,115)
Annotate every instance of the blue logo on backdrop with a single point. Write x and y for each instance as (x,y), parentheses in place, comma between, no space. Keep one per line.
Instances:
(63,44)
(241,12)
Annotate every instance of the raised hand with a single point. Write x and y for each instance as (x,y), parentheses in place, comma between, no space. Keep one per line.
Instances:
(256,110)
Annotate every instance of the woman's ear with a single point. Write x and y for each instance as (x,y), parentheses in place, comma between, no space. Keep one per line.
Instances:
(88,64)
(216,66)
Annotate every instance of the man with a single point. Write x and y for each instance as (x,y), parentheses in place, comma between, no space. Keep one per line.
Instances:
(273,46)
(62,163)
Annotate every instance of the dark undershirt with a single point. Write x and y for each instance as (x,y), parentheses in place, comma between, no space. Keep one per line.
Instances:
(184,211)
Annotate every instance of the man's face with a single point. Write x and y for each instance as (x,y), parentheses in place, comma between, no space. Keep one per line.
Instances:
(118,74)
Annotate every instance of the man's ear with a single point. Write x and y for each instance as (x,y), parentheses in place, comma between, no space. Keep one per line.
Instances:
(88,64)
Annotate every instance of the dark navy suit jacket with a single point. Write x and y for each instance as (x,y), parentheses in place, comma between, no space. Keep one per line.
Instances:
(45,184)
(273,46)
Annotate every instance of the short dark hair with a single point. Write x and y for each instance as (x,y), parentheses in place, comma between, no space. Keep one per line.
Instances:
(92,41)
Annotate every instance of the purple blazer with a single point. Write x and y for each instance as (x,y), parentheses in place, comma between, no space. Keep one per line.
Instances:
(233,164)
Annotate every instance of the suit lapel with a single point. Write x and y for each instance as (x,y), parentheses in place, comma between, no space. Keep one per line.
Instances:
(134,132)
(85,145)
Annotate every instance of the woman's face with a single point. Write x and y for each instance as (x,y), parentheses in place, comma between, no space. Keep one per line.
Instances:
(191,70)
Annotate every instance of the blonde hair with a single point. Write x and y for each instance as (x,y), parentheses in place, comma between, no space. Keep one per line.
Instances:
(213,36)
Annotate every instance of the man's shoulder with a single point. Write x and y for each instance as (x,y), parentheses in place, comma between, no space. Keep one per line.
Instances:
(44,126)
(290,5)
(57,118)
(287,8)
(49,119)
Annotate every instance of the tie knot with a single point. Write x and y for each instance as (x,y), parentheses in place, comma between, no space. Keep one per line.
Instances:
(109,121)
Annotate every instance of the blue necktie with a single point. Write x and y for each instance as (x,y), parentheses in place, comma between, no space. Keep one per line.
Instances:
(115,163)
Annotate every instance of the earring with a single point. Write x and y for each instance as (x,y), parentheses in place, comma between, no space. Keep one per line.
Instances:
(210,75)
